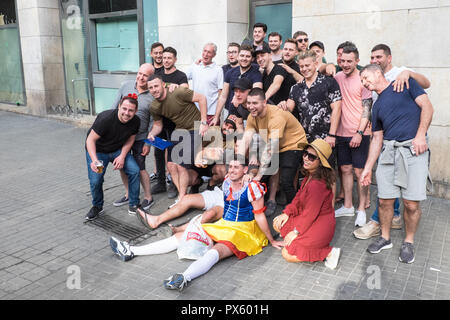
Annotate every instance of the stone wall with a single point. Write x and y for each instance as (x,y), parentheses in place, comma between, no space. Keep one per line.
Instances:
(40,37)
(416,31)
(188,25)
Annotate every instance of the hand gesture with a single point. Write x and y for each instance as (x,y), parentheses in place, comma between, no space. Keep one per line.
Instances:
(401,81)
(279,221)
(356,141)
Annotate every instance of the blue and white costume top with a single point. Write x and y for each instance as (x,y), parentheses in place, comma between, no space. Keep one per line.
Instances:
(237,204)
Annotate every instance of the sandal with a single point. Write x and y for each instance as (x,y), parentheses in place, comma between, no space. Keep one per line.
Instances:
(143,220)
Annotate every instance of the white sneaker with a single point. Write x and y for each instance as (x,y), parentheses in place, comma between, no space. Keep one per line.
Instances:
(173,204)
(333,258)
(344,212)
(361,218)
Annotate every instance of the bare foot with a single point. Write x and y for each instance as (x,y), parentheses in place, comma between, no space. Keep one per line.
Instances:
(174,229)
(151,221)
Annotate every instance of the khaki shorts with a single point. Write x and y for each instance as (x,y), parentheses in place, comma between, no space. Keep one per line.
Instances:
(417,179)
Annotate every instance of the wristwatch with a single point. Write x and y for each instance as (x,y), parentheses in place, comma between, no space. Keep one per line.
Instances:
(360,132)
(204,123)
(295,231)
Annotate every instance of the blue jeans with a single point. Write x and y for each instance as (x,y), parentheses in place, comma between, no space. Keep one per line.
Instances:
(396,210)
(130,168)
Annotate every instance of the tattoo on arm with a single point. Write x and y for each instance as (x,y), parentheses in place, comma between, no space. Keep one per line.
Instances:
(367,108)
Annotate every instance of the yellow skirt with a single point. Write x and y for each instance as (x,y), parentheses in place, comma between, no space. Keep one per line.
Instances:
(245,236)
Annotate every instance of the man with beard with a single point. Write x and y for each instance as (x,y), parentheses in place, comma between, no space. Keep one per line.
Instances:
(169,74)
(144,98)
(232,56)
(110,140)
(178,106)
(156,53)
(211,199)
(274,77)
(275,41)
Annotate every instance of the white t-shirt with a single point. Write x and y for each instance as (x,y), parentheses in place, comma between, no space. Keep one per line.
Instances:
(207,80)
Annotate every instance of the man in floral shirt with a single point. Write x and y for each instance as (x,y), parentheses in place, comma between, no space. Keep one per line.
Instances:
(317,99)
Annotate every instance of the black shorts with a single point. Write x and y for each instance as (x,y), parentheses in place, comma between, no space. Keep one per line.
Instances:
(355,156)
(136,151)
(183,152)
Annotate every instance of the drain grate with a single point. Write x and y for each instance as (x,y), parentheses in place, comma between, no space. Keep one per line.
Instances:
(129,233)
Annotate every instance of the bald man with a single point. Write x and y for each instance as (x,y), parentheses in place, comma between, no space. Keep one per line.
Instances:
(144,98)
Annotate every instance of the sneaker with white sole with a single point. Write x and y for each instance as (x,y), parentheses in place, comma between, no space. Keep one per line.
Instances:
(367,231)
(361,218)
(344,212)
(379,244)
(333,258)
(120,202)
(121,248)
(146,204)
(407,253)
(175,282)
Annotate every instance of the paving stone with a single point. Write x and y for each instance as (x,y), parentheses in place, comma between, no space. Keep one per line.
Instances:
(49,236)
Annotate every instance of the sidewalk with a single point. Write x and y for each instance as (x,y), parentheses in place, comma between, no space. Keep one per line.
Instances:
(45,243)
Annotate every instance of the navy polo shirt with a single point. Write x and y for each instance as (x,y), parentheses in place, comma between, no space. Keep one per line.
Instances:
(397,113)
(234,74)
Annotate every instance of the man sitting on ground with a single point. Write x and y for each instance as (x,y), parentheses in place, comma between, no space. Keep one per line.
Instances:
(242,231)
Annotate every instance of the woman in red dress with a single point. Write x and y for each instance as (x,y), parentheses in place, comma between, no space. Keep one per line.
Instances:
(307,224)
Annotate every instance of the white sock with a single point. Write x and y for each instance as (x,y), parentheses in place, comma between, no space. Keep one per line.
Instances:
(202,265)
(158,247)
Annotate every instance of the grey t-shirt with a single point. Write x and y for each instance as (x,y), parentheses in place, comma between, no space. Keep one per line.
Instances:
(145,99)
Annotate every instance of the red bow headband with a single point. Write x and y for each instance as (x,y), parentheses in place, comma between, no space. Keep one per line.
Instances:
(133,96)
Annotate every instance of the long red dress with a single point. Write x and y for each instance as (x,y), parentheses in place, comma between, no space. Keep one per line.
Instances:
(312,214)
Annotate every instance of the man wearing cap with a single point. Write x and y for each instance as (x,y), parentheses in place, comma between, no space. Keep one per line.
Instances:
(319,49)
(245,70)
(239,104)
(284,137)
(145,99)
(274,76)
(400,121)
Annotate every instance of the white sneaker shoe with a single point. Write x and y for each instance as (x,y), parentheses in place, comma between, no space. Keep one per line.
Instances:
(344,212)
(361,218)
(333,258)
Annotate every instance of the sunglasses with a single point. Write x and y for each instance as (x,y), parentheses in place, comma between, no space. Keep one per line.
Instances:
(303,40)
(311,157)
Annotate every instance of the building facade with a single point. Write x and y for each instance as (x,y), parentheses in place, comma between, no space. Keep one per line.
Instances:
(77,52)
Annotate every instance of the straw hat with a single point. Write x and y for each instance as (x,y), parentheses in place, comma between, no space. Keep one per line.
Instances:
(323,150)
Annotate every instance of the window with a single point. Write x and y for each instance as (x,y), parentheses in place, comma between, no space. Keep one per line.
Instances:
(7,12)
(104,6)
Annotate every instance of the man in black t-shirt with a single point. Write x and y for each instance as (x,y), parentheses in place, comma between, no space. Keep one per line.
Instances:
(275,84)
(169,74)
(109,140)
(156,53)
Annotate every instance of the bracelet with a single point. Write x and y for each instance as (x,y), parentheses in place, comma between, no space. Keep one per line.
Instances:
(295,231)
(204,123)
(332,135)
(360,132)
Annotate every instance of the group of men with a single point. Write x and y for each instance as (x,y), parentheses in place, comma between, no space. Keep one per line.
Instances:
(266,104)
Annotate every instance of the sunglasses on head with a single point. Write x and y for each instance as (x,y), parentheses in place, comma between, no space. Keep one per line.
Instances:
(303,40)
(311,157)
